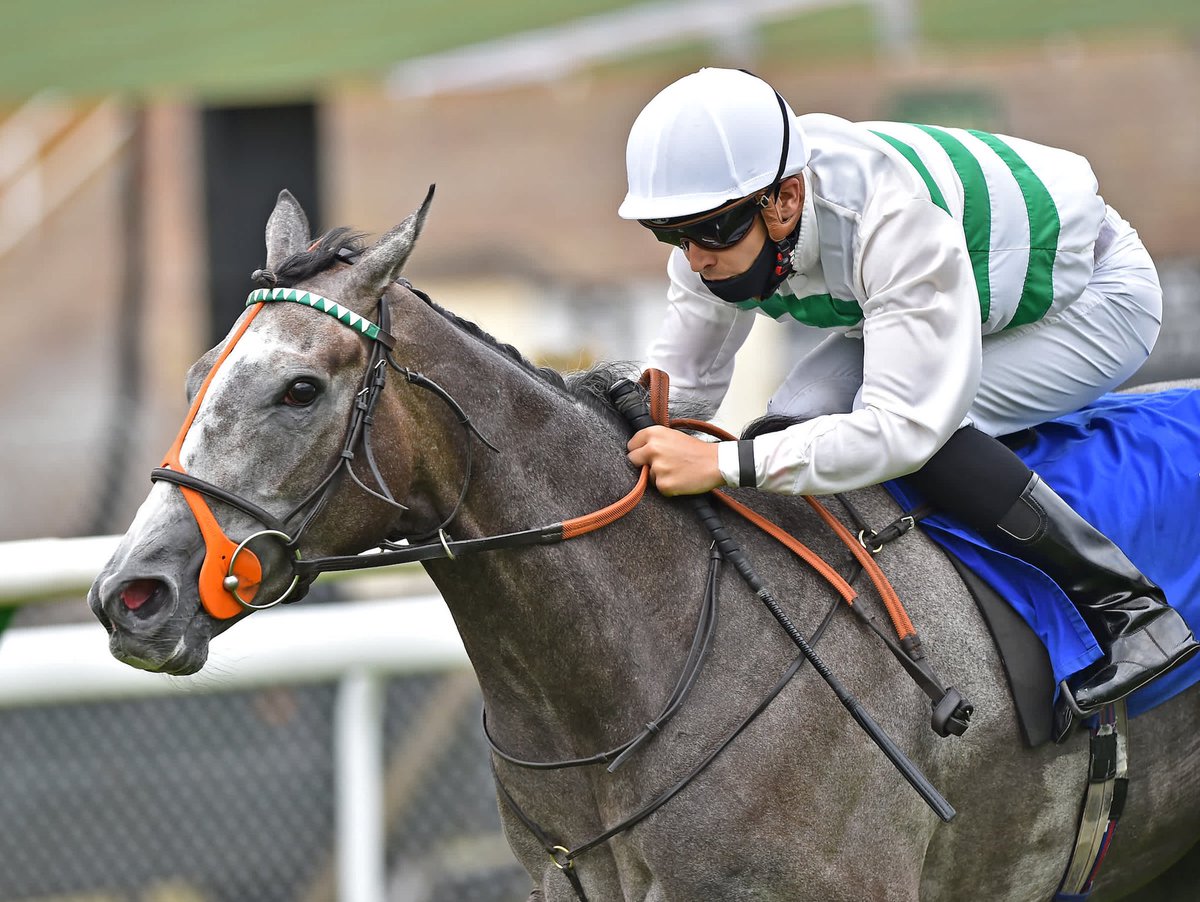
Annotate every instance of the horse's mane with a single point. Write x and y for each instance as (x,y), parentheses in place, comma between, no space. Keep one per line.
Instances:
(545,373)
(593,384)
(589,386)
(771,422)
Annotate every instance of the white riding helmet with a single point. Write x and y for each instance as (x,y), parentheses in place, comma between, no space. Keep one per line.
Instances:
(710,137)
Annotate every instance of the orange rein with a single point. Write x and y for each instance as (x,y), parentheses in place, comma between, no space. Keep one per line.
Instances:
(657,383)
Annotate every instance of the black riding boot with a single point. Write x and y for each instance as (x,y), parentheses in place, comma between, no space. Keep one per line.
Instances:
(1141,635)
(977,479)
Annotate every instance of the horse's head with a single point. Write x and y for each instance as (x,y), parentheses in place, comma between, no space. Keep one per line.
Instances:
(274,450)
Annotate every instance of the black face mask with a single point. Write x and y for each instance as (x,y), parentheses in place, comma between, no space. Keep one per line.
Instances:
(772,265)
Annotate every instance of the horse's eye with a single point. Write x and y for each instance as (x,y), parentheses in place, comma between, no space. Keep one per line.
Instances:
(301,393)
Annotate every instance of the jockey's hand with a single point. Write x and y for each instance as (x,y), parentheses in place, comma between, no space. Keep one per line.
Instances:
(680,464)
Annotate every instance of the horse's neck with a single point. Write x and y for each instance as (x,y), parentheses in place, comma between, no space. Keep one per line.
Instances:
(564,633)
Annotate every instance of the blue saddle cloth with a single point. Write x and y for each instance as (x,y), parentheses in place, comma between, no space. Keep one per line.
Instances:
(1130,464)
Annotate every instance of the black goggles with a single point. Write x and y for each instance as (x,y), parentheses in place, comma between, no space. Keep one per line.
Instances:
(713,230)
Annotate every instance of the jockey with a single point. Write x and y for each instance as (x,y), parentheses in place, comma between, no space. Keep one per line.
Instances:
(972,285)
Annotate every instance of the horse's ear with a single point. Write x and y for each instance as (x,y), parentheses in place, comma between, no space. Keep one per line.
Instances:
(287,230)
(382,263)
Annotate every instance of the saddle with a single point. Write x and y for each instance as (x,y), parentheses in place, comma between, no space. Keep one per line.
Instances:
(1129,463)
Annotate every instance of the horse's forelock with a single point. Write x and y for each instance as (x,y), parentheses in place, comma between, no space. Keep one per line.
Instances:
(317,258)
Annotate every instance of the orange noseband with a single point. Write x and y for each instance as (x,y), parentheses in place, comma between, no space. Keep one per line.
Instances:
(219,598)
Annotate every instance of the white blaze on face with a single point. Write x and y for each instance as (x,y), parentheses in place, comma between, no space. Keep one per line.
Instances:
(162,506)
(165,504)
(258,351)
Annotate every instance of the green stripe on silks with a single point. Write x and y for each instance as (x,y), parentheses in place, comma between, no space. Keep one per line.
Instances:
(977,211)
(1037,294)
(6,616)
(935,193)
(308,299)
(820,310)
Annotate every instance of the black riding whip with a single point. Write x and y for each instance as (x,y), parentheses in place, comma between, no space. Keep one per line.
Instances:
(630,401)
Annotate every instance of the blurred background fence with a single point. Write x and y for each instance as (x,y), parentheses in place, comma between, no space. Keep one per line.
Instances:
(327,752)
(142,146)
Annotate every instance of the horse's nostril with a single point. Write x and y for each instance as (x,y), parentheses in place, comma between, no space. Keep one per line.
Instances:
(143,595)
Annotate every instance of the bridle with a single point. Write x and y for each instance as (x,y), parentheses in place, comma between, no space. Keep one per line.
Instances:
(232,568)
(231,573)
(229,567)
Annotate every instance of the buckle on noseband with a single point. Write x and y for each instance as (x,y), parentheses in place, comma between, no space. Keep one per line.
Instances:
(231,582)
(560,855)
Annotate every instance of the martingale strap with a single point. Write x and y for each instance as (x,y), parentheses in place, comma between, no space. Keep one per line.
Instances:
(564,858)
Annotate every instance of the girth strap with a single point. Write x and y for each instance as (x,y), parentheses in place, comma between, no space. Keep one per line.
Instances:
(1103,803)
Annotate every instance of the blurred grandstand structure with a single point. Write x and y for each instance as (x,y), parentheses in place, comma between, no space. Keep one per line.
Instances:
(521,123)
(523,235)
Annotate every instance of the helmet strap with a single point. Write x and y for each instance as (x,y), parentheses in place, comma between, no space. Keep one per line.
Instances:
(787,141)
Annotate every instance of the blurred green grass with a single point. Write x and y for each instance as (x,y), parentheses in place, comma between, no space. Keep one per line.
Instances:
(953,26)
(242,47)
(230,49)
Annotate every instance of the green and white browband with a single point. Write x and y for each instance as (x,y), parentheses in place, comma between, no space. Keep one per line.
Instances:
(333,308)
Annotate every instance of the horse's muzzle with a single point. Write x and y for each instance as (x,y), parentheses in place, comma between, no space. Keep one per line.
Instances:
(141,615)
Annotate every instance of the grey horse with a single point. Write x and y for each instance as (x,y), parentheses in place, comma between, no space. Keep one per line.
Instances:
(577,644)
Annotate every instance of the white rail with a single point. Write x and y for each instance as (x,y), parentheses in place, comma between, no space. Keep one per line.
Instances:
(305,644)
(34,570)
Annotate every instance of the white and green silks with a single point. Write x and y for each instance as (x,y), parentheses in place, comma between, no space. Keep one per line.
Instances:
(922,241)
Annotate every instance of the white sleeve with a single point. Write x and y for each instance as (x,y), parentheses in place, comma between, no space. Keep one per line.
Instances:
(922,358)
(699,336)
